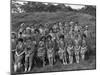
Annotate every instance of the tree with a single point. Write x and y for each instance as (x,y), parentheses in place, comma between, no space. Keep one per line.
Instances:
(89,10)
(15,7)
(51,8)
(33,7)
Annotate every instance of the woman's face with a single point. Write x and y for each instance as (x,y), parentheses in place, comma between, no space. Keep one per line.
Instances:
(28,41)
(28,31)
(24,31)
(70,45)
(50,31)
(49,38)
(83,45)
(77,45)
(61,39)
(13,36)
(41,43)
(20,43)
(37,32)
(71,23)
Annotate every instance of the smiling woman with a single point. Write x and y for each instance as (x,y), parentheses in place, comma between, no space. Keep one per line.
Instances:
(52,35)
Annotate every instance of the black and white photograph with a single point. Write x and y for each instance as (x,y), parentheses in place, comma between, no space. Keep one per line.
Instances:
(52,37)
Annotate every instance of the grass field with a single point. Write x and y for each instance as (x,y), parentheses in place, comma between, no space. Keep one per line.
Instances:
(46,17)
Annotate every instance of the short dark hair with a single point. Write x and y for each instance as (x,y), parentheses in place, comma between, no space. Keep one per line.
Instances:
(37,30)
(61,36)
(42,38)
(51,29)
(20,40)
(49,36)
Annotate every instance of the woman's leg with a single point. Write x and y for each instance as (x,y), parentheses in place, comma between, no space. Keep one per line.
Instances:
(65,58)
(77,58)
(16,64)
(26,63)
(43,61)
(30,62)
(51,60)
(70,59)
(82,55)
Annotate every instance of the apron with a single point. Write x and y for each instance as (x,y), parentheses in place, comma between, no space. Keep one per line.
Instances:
(77,50)
(50,49)
(61,51)
(41,52)
(83,50)
(70,51)
(18,59)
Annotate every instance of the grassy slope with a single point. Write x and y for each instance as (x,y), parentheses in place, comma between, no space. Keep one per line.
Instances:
(46,17)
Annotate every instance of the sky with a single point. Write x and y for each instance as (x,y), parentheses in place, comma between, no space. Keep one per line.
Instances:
(76,6)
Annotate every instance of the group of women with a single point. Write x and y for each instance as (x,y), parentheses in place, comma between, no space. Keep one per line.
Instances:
(48,43)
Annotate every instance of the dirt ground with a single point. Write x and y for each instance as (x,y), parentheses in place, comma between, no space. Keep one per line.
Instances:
(88,64)
(83,65)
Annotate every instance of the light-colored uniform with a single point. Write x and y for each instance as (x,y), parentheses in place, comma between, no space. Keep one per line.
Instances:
(29,53)
(41,52)
(13,47)
(18,56)
(76,28)
(50,52)
(77,51)
(62,52)
(70,53)
(86,33)
(83,51)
